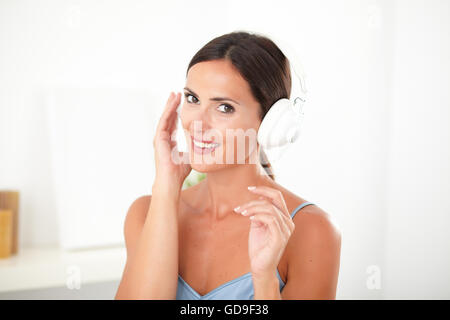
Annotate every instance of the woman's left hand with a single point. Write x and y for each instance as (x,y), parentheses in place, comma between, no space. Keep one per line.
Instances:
(270,229)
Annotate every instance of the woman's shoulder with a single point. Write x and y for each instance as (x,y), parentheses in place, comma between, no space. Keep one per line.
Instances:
(311,222)
(136,215)
(140,205)
(316,234)
(137,211)
(293,201)
(313,250)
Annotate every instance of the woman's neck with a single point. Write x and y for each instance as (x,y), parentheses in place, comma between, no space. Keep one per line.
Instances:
(225,189)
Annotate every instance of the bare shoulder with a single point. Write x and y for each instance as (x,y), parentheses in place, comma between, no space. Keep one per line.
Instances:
(312,252)
(313,225)
(311,217)
(138,209)
(134,220)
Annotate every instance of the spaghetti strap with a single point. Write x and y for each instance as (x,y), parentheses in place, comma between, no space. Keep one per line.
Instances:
(304,204)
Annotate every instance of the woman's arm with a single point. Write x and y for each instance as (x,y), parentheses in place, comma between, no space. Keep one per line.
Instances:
(313,257)
(151,237)
(151,228)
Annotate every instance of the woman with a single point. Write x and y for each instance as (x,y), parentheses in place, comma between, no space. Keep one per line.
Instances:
(221,238)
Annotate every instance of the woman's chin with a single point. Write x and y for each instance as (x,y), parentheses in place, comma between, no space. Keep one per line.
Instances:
(205,167)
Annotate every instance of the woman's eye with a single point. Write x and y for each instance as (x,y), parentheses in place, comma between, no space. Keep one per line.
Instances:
(227,107)
(187,95)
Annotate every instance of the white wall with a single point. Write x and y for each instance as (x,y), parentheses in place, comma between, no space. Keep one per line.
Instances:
(418,244)
(357,126)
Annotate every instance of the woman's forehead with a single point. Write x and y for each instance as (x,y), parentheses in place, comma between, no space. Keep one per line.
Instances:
(218,78)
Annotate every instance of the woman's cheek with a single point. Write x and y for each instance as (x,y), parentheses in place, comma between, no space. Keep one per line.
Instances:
(184,117)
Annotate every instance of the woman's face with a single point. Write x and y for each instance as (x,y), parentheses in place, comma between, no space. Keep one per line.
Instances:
(219,108)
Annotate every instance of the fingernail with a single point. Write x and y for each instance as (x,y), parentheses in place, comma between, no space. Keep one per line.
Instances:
(251,217)
(244,212)
(236,209)
(251,187)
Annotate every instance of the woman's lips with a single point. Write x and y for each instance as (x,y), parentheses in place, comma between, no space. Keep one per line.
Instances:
(200,148)
(204,141)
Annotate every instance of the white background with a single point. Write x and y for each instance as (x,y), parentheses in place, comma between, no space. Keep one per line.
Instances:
(374,151)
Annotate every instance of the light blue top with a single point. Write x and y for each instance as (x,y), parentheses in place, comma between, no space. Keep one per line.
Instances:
(240,288)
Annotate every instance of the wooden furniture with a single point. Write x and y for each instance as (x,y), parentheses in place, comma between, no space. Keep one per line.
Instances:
(9,200)
(5,233)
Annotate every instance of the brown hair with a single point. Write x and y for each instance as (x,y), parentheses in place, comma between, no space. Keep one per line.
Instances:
(260,62)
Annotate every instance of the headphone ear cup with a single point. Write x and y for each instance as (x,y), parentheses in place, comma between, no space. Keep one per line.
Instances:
(280,126)
(269,133)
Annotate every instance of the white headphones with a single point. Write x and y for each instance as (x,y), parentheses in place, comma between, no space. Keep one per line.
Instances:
(282,123)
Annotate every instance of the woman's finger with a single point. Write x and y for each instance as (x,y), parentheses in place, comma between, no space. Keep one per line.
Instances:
(271,210)
(275,195)
(172,103)
(244,206)
(165,114)
(172,121)
(289,223)
(272,223)
(265,201)
(172,126)
(244,209)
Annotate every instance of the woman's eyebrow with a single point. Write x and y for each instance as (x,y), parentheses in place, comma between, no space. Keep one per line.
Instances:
(213,99)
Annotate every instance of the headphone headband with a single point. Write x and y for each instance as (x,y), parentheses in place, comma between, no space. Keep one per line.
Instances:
(299,92)
(281,125)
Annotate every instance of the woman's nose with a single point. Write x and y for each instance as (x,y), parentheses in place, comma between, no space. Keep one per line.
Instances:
(199,127)
(200,121)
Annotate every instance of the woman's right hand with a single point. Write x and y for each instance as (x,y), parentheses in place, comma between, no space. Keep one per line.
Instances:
(168,171)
